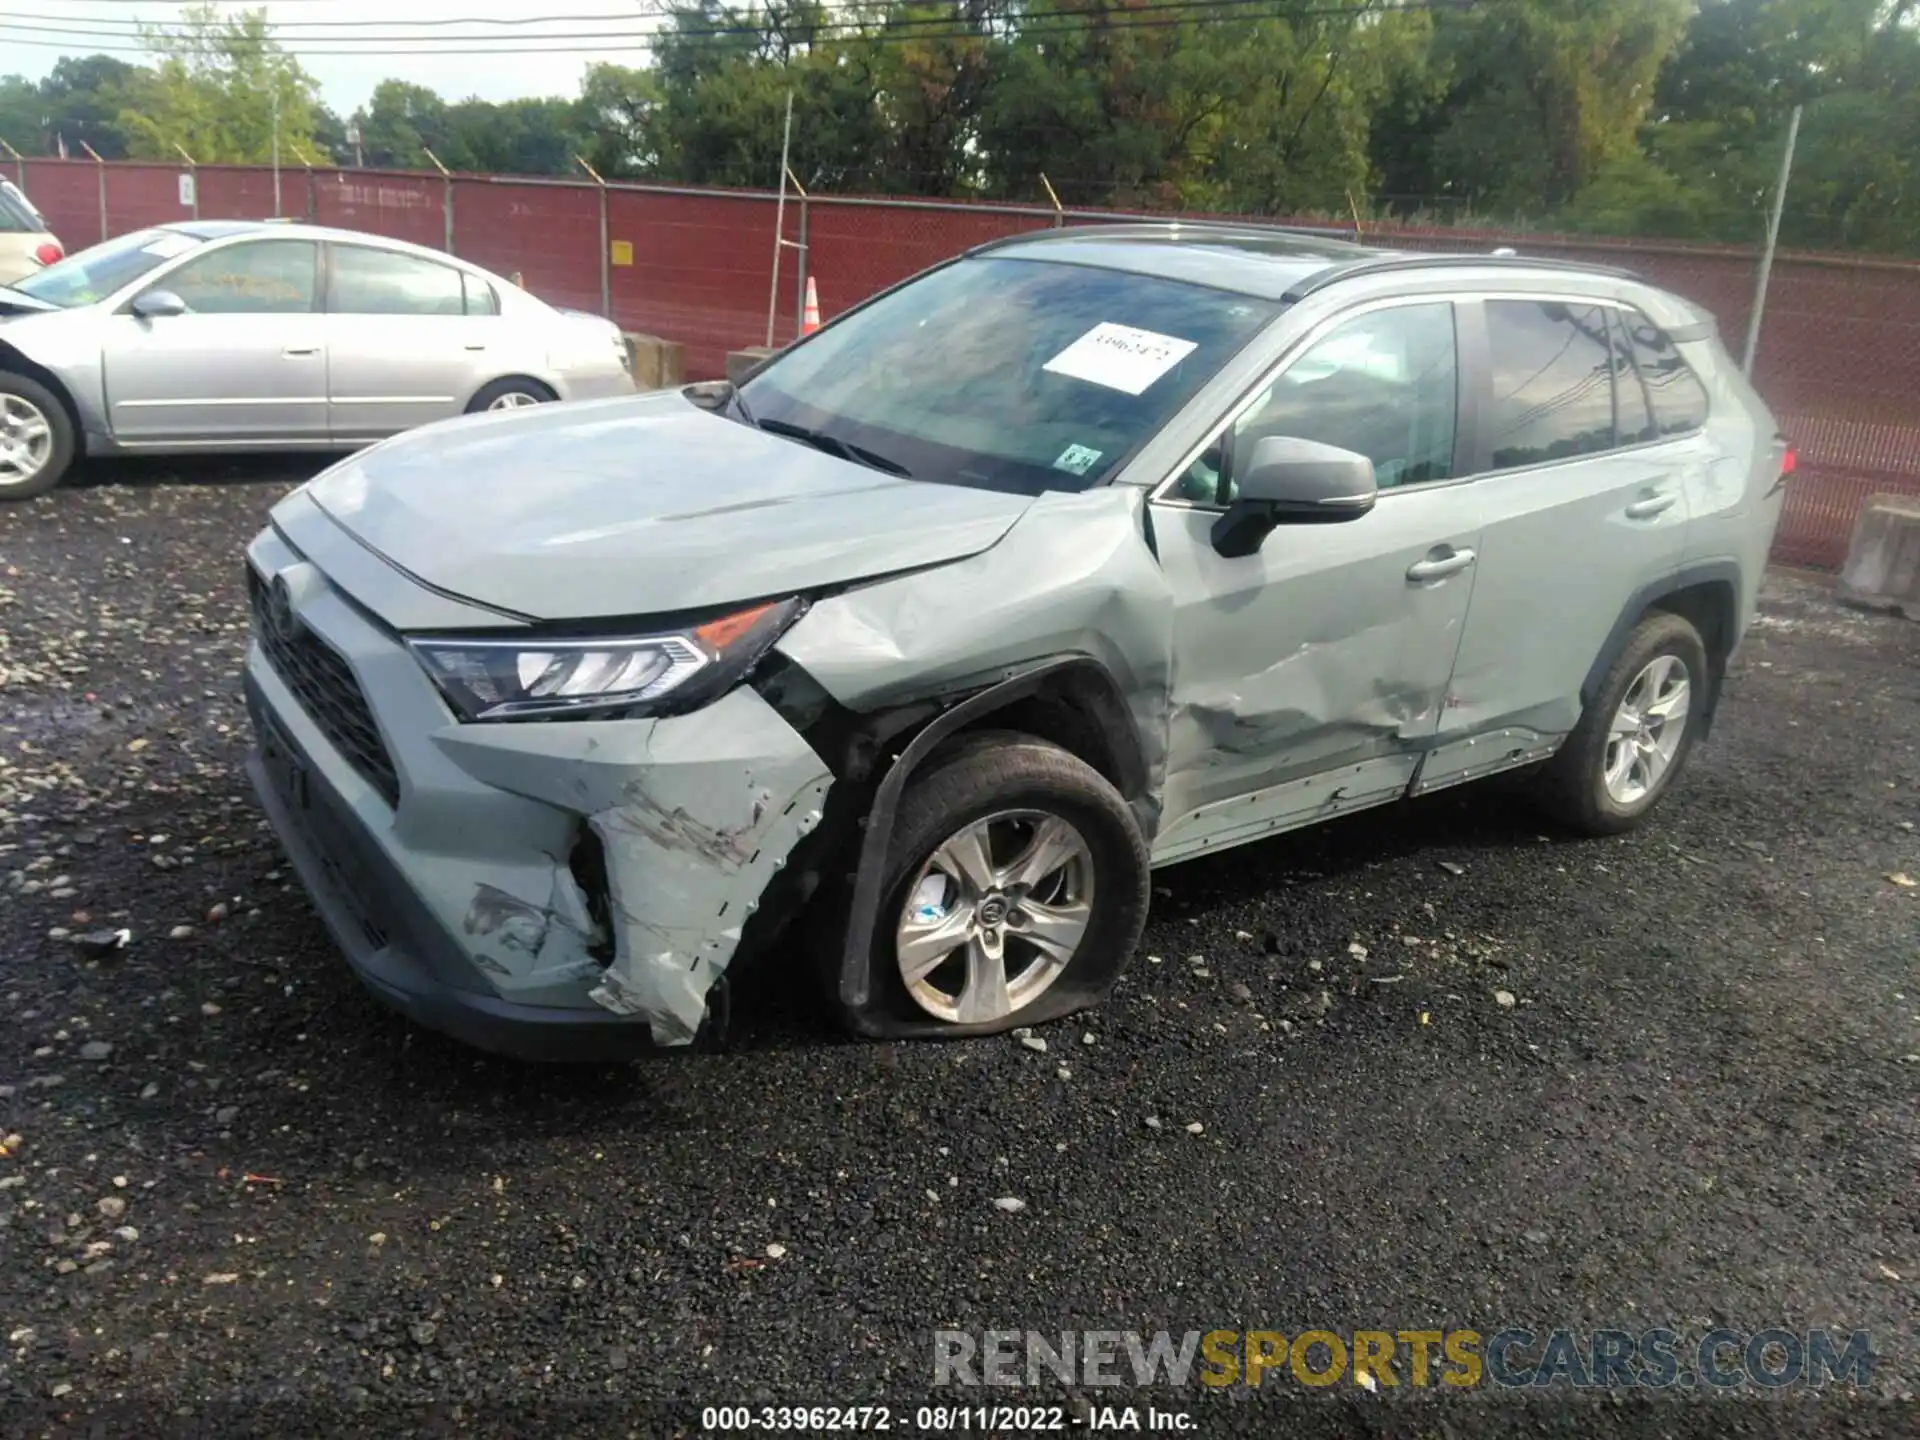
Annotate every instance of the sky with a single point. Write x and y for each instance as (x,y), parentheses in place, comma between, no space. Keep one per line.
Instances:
(521,67)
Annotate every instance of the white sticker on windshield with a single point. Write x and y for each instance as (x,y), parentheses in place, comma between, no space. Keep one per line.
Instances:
(1120,357)
(1077,459)
(168,246)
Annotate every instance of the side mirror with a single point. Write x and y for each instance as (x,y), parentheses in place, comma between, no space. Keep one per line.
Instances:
(1287,481)
(158,304)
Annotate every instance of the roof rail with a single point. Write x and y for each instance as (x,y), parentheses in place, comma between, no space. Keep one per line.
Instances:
(1323,237)
(1405,260)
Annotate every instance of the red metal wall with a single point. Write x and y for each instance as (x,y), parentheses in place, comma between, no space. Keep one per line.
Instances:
(1839,356)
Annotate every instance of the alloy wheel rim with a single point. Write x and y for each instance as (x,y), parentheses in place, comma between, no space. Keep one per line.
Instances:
(1646,730)
(514,400)
(994,916)
(26,440)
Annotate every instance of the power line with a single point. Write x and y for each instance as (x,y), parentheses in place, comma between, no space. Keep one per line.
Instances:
(889,29)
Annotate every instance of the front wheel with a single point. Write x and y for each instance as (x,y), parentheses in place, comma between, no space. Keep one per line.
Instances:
(1634,738)
(36,438)
(1016,889)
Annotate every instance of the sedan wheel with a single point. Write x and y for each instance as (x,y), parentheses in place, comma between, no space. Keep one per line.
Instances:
(26,441)
(995,916)
(514,400)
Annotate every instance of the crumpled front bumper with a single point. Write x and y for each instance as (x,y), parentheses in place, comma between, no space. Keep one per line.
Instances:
(455,884)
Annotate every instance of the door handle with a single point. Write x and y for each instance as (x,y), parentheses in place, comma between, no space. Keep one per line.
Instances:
(1439,569)
(293,350)
(1651,505)
(479,345)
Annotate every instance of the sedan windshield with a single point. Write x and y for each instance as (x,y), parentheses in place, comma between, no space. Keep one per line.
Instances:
(1007,374)
(94,274)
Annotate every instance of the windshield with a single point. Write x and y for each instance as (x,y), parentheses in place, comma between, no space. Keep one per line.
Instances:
(1006,374)
(97,273)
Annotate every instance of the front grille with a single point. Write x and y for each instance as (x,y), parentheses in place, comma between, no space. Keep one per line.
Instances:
(324,684)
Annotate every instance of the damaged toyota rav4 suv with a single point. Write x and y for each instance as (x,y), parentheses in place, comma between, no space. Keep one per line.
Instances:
(1084,553)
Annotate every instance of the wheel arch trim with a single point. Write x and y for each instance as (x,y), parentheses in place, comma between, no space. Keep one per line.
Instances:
(854,985)
(1648,597)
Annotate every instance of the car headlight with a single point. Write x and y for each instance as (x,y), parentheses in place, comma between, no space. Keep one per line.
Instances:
(664,674)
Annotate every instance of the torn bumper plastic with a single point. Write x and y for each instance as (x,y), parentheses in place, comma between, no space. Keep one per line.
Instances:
(445,862)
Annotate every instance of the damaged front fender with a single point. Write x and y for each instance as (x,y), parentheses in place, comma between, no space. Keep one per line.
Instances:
(694,816)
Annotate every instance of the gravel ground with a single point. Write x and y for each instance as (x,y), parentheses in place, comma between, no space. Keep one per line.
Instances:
(269,1206)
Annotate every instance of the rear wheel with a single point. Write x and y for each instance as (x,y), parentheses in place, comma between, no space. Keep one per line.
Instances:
(516,392)
(36,438)
(1634,738)
(1016,889)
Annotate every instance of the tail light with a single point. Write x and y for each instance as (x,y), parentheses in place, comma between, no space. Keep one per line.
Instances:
(49,253)
(1789,462)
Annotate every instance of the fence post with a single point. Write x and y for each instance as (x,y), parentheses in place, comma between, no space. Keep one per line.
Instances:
(1773,237)
(805,266)
(446,197)
(100,168)
(193,178)
(780,218)
(606,241)
(307,162)
(1059,215)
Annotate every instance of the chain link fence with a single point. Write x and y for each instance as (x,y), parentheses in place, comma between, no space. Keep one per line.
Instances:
(1839,359)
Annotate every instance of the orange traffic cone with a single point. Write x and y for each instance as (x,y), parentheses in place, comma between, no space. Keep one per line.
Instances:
(810,319)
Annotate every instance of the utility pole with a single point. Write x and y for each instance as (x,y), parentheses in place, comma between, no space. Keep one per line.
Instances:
(276,145)
(780,218)
(1773,237)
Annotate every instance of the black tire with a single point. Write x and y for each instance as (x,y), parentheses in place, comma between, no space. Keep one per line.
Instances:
(498,390)
(982,774)
(1571,787)
(59,456)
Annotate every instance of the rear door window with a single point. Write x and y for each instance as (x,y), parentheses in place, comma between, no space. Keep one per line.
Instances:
(383,282)
(1552,373)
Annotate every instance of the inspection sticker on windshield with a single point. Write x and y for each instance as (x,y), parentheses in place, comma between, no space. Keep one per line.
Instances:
(1077,459)
(1120,357)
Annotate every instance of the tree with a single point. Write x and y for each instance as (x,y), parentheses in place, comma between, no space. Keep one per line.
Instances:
(400,124)
(617,118)
(724,76)
(220,87)
(21,114)
(1537,97)
(79,102)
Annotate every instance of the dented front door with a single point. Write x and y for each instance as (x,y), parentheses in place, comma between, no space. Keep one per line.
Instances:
(1307,676)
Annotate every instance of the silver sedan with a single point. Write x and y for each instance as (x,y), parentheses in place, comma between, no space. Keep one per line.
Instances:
(261,335)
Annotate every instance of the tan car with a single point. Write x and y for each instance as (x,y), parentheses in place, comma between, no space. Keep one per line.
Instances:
(26,245)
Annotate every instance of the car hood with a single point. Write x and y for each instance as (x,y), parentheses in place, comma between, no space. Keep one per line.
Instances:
(631,507)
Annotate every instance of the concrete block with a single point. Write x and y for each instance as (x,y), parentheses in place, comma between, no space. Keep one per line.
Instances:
(1883,563)
(739,362)
(656,364)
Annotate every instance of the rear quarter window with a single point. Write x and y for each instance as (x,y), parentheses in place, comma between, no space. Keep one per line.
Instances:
(1678,397)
